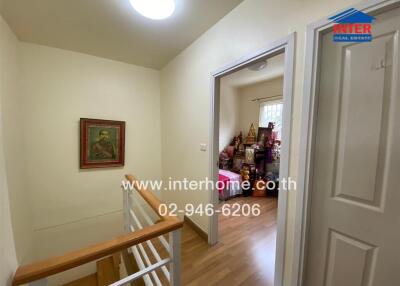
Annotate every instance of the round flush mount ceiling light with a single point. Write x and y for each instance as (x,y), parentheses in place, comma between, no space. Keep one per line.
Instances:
(154,9)
(258,66)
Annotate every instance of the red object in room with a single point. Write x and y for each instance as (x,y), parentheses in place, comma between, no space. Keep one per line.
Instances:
(230,150)
(223,182)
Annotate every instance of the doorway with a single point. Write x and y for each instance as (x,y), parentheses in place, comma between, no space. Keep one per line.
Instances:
(283,47)
(250,137)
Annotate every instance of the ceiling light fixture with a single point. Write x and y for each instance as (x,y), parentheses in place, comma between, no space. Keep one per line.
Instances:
(154,9)
(258,66)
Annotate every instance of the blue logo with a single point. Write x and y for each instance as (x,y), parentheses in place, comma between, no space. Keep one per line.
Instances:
(352,26)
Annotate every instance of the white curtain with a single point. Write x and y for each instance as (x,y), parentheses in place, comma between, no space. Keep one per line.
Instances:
(271,111)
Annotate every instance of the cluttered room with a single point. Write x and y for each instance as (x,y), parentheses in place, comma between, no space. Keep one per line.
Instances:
(250,131)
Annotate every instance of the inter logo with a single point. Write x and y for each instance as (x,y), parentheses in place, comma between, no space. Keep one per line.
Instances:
(352,26)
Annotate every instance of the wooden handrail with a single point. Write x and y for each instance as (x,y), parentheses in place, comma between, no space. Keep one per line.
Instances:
(150,198)
(38,270)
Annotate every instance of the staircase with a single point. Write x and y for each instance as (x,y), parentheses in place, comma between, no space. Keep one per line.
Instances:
(90,280)
(149,258)
(108,272)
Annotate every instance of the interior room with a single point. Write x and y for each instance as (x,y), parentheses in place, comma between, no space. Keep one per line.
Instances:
(250,126)
(105,103)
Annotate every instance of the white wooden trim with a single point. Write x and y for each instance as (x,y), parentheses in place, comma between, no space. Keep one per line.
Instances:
(284,160)
(307,133)
(287,46)
(214,157)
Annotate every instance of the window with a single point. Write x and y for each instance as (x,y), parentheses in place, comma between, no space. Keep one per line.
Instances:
(271,111)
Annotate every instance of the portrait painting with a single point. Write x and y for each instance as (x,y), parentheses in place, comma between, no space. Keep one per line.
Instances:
(102,143)
(263,135)
(249,155)
(238,163)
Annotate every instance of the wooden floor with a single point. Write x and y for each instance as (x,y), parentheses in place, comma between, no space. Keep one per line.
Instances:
(245,254)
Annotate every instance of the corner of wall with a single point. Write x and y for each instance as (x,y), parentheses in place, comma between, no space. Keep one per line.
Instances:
(13,139)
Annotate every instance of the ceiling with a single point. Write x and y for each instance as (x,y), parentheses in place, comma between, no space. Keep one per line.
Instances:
(245,76)
(112,28)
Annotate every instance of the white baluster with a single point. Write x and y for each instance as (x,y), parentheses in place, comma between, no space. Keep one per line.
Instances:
(135,248)
(150,222)
(150,245)
(175,255)
(126,209)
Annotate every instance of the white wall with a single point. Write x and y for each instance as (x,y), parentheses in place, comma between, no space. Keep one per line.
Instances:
(249,111)
(55,206)
(186,89)
(71,206)
(13,131)
(8,256)
(238,110)
(8,79)
(229,115)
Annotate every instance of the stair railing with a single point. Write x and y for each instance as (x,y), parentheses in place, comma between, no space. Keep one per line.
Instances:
(136,235)
(133,211)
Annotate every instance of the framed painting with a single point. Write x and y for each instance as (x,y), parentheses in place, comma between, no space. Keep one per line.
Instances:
(249,155)
(263,135)
(237,163)
(102,143)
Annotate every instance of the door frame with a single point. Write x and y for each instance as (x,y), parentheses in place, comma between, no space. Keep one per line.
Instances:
(287,46)
(307,131)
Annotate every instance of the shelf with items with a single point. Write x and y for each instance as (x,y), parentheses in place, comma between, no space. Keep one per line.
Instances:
(256,157)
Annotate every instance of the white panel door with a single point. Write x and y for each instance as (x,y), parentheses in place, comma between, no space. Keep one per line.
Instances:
(355,205)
